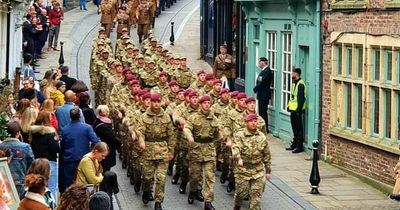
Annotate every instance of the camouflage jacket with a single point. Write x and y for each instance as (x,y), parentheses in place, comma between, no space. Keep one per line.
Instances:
(252,148)
(184,77)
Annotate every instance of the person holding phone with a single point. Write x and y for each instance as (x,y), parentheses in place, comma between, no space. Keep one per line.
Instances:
(89,169)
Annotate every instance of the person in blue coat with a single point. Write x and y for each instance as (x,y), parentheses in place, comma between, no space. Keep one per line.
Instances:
(263,89)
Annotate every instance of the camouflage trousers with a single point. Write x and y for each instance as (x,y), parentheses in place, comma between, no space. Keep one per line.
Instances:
(136,164)
(157,169)
(253,188)
(182,165)
(196,170)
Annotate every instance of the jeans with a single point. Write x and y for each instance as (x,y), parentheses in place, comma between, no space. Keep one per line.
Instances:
(54,30)
(67,174)
(53,180)
(82,4)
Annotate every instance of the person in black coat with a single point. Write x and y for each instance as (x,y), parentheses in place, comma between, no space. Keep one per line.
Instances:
(28,35)
(42,35)
(88,113)
(103,128)
(69,81)
(263,89)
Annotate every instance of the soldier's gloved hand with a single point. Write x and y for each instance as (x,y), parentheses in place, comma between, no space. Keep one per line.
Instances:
(240,162)
(267,177)
(190,140)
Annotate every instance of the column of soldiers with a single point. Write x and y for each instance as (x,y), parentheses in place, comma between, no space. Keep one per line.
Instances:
(131,13)
(165,115)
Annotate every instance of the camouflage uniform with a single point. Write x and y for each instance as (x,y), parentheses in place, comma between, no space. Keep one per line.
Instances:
(155,130)
(184,77)
(203,128)
(252,148)
(149,77)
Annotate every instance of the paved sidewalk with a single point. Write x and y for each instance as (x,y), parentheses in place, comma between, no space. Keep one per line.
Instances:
(289,188)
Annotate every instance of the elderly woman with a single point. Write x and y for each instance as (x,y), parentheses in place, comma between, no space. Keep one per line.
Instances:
(103,128)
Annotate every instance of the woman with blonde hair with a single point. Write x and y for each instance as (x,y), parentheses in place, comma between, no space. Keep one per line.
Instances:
(48,105)
(28,118)
(89,169)
(22,105)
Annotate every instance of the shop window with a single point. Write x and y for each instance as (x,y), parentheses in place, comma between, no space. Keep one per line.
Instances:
(272,54)
(257,32)
(287,69)
(349,4)
(365,92)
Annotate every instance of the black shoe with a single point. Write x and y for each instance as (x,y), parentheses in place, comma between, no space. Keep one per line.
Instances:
(151,196)
(124,164)
(129,172)
(208,206)
(223,178)
(191,197)
(175,179)
(231,187)
(182,188)
(219,166)
(199,196)
(132,180)
(290,148)
(136,187)
(120,156)
(157,206)
(170,169)
(146,197)
(297,150)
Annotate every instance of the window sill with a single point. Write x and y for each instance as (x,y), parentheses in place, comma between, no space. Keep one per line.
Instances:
(362,139)
(362,5)
(392,4)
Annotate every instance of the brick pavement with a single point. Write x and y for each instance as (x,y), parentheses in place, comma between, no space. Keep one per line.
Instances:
(289,188)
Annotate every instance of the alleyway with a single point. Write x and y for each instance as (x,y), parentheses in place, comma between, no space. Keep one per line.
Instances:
(289,188)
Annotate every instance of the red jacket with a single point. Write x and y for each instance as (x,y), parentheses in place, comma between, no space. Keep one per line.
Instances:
(55,16)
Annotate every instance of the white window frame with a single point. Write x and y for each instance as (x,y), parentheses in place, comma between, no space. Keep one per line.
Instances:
(286,69)
(271,55)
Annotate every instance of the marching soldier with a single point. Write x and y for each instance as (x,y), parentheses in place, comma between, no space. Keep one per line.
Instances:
(202,130)
(209,84)
(224,65)
(253,163)
(155,134)
(149,76)
(214,93)
(107,15)
(122,18)
(200,81)
(144,17)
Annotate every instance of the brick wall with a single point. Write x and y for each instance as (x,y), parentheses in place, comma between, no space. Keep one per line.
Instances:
(357,157)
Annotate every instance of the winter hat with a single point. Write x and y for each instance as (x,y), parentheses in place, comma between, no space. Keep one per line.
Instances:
(99,200)
(59,84)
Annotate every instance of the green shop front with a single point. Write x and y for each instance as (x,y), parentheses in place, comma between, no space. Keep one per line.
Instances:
(287,33)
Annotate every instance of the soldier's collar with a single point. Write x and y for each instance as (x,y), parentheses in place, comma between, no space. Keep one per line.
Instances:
(248,132)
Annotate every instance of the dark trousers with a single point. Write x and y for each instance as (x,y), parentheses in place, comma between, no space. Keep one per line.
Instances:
(263,111)
(231,83)
(297,126)
(67,174)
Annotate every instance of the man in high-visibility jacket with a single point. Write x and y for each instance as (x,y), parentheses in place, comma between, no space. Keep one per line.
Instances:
(296,107)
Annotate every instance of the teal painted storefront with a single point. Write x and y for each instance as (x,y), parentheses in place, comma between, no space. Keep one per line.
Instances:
(288,34)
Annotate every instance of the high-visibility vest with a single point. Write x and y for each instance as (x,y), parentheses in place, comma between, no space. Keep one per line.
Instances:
(292,105)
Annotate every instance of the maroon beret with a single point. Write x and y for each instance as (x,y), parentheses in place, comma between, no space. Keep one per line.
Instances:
(234,94)
(173,82)
(181,90)
(201,71)
(187,91)
(241,95)
(130,77)
(224,90)
(134,82)
(141,92)
(210,76)
(204,98)
(192,93)
(163,73)
(250,99)
(216,81)
(250,117)
(146,95)
(155,97)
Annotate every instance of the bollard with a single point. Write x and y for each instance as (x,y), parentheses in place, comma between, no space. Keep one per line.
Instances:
(314,176)
(172,38)
(61,59)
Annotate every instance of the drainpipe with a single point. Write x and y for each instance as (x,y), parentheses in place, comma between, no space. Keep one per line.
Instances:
(318,76)
(8,43)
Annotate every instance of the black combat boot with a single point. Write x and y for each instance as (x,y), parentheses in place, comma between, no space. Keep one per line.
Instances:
(230,187)
(136,187)
(208,206)
(191,197)
(123,164)
(146,197)
(199,196)
(132,180)
(182,187)
(170,169)
(175,178)
(157,206)
(151,196)
(223,178)
(219,165)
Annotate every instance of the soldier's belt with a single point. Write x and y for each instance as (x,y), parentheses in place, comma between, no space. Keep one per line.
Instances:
(250,165)
(155,139)
(203,140)
(123,22)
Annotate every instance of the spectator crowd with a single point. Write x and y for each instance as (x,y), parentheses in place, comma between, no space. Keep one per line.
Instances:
(59,150)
